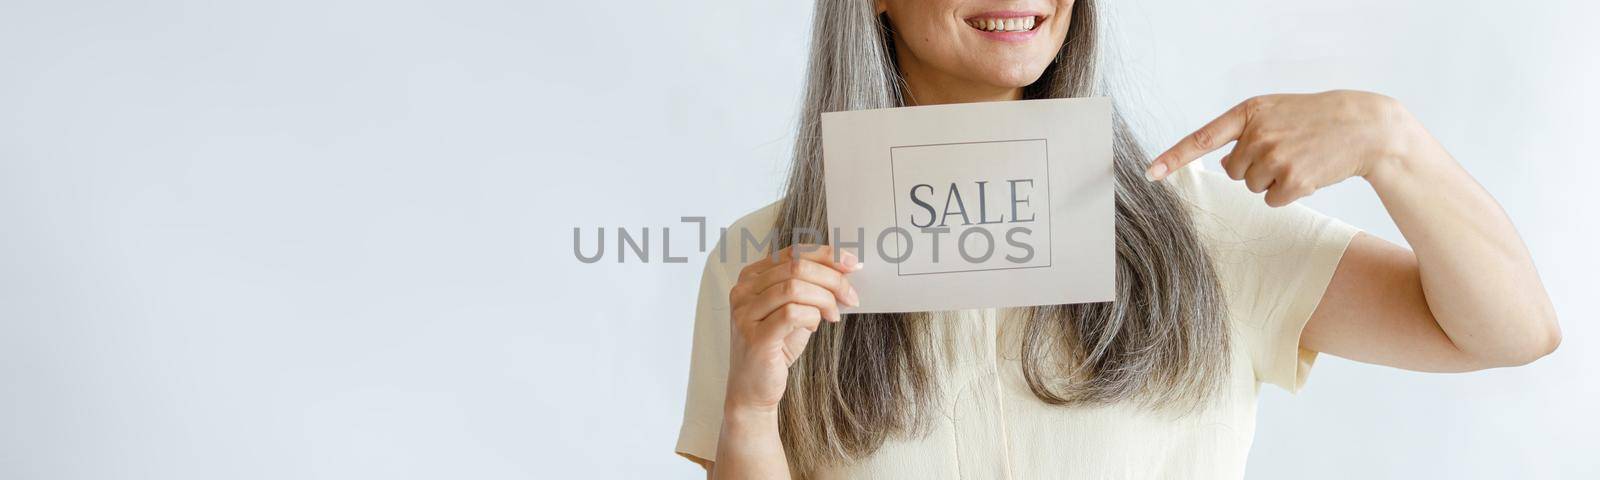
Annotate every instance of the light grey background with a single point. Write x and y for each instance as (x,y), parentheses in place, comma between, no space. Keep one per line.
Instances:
(332,239)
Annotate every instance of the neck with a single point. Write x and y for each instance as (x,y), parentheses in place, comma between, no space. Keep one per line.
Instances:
(925,85)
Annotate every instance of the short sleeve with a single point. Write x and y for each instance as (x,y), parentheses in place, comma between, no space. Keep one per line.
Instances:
(708,364)
(1274,265)
(708,357)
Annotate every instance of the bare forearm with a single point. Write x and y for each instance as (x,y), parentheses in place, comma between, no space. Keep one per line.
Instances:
(1477,275)
(749,446)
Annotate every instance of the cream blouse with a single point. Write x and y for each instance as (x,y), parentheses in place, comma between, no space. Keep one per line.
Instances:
(1274,264)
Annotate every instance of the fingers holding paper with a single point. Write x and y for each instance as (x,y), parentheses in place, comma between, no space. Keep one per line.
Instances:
(810,275)
(776,304)
(1288,146)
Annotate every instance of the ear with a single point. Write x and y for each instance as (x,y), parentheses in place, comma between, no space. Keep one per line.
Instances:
(881,6)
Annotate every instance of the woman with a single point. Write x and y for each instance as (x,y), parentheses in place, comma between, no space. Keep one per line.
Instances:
(1219,288)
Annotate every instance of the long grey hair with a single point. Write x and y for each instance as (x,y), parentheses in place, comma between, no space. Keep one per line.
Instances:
(1162,343)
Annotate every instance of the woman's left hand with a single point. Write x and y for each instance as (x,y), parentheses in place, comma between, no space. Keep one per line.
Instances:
(1291,145)
(1469,296)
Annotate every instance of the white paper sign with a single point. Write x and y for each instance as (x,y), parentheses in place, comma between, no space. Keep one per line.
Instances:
(977,205)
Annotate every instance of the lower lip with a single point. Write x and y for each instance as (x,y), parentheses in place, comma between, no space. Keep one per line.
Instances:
(1009,36)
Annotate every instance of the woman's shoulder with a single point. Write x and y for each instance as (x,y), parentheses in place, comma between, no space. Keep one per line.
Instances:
(743,241)
(758,222)
(1202,188)
(1225,212)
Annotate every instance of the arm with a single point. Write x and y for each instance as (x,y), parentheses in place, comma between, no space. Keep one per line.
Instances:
(748,446)
(1468,298)
(777,303)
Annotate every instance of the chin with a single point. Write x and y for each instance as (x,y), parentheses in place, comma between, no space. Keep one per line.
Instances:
(1015,76)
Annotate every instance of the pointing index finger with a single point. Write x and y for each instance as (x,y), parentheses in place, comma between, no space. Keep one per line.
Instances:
(1208,138)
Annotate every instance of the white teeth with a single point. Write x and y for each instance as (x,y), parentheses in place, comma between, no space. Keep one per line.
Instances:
(1014,24)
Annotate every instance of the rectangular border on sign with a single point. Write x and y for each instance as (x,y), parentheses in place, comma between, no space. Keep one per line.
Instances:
(894,185)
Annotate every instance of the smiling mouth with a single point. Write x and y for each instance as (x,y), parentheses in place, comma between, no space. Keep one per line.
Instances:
(1007,23)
